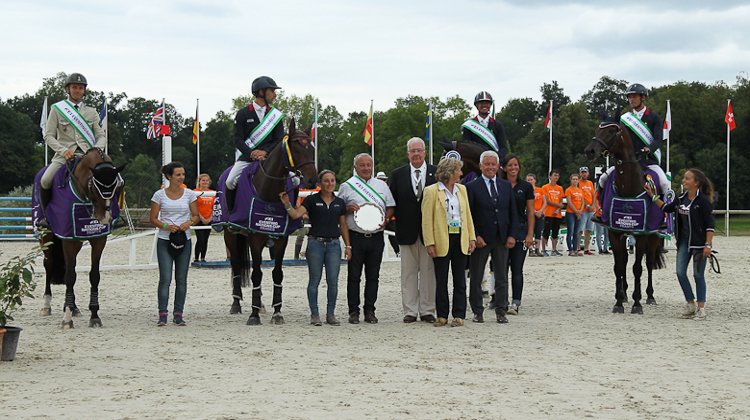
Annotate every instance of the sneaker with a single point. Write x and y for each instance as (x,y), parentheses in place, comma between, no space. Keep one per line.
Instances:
(162,319)
(588,253)
(178,320)
(545,254)
(700,314)
(690,310)
(513,309)
(556,254)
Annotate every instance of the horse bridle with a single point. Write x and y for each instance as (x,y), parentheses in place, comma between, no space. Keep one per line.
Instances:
(608,147)
(294,167)
(94,184)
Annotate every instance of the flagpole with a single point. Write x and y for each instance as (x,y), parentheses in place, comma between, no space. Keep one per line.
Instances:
(43,124)
(198,137)
(726,215)
(315,129)
(372,138)
(550,138)
(431,120)
(669,129)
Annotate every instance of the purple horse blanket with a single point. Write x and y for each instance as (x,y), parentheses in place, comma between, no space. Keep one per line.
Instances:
(68,214)
(634,215)
(250,212)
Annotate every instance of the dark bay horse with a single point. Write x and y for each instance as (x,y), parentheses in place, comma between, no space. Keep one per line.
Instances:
(97,181)
(295,154)
(612,139)
(469,152)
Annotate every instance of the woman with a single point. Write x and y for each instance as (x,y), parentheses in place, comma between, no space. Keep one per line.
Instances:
(540,205)
(173,210)
(573,214)
(694,231)
(448,233)
(206,209)
(601,231)
(524,232)
(327,215)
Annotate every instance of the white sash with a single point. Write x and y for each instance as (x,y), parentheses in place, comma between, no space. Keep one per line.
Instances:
(641,130)
(366,191)
(263,129)
(75,118)
(483,132)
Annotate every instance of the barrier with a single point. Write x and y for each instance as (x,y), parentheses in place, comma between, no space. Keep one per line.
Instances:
(28,228)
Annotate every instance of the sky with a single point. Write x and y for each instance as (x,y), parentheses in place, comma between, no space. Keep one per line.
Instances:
(349,52)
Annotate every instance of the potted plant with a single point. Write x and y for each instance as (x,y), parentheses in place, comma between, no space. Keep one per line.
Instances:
(16,283)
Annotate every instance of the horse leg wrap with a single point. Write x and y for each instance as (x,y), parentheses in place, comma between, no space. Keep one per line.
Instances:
(238,297)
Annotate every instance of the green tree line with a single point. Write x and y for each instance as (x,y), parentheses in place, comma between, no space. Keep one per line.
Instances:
(698,136)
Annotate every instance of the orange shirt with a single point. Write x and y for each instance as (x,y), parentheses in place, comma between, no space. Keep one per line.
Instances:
(205,204)
(575,197)
(588,192)
(538,201)
(554,194)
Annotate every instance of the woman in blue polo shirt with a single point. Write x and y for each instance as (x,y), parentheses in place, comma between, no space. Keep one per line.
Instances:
(327,215)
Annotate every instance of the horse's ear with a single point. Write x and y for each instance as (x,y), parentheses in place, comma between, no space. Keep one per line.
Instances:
(292,127)
(120,168)
(308,130)
(603,113)
(617,114)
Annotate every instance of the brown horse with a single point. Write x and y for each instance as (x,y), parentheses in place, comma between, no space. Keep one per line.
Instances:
(469,152)
(97,181)
(269,181)
(612,139)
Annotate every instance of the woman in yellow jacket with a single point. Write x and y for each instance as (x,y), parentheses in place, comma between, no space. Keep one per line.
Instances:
(448,233)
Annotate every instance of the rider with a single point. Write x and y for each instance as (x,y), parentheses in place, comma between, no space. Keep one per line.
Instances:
(257,130)
(483,129)
(72,129)
(645,128)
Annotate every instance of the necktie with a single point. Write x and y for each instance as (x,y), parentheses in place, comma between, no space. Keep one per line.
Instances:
(493,191)
(419,184)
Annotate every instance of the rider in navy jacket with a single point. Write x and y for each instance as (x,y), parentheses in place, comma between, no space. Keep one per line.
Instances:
(483,102)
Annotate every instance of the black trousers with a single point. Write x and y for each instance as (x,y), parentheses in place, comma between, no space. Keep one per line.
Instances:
(456,261)
(477,262)
(367,252)
(201,243)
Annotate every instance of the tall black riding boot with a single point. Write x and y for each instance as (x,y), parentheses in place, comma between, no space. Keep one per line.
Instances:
(45,196)
(230,196)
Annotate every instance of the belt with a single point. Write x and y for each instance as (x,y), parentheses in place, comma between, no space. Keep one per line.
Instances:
(366,235)
(319,239)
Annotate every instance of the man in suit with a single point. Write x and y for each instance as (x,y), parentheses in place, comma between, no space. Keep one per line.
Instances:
(493,209)
(417,269)
(483,129)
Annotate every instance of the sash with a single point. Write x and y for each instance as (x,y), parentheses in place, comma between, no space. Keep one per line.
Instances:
(272,118)
(483,132)
(641,130)
(75,118)
(366,191)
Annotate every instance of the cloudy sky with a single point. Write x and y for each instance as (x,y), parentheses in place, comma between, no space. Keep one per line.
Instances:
(347,52)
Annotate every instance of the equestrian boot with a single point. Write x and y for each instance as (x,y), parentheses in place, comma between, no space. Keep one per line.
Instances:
(45,196)
(230,195)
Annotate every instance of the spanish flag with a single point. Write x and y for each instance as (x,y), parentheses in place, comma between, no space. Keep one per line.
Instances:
(368,129)
(195,126)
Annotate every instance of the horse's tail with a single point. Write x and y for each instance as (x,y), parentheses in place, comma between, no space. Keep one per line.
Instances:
(242,252)
(659,261)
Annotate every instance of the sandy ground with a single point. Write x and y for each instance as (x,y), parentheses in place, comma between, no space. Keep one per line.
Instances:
(565,356)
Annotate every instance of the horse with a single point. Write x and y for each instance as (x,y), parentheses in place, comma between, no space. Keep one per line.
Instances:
(295,154)
(469,153)
(97,181)
(611,138)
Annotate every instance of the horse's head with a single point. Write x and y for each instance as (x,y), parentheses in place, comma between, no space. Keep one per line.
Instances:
(299,155)
(102,185)
(608,138)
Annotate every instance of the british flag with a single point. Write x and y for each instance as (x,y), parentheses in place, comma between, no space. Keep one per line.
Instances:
(157,121)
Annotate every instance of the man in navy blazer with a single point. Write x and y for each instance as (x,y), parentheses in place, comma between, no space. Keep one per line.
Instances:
(417,268)
(493,210)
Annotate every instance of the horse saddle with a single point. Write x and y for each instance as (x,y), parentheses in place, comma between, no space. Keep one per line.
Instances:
(636,215)
(250,213)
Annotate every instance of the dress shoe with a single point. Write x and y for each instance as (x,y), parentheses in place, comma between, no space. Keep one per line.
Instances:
(501,318)
(331,320)
(440,322)
(408,319)
(370,318)
(354,318)
(478,318)
(428,318)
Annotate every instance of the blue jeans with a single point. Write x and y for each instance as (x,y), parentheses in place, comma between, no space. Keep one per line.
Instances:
(684,255)
(319,254)
(602,237)
(516,258)
(573,224)
(181,264)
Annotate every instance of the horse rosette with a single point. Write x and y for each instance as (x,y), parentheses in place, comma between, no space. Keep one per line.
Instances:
(628,214)
(369,217)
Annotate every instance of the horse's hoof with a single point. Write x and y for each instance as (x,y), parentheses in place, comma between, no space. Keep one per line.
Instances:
(618,310)
(253,320)
(75,312)
(637,310)
(95,323)
(236,309)
(46,312)
(277,319)
(262,308)
(650,301)
(67,325)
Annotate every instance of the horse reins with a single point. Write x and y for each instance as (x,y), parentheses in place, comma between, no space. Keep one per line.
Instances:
(294,167)
(94,184)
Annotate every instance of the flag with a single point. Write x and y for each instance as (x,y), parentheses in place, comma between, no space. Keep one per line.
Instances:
(548,122)
(103,117)
(43,120)
(156,121)
(368,129)
(429,122)
(162,130)
(667,122)
(729,118)
(196,128)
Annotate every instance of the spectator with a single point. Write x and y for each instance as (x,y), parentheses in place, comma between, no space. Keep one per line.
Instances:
(540,205)
(553,193)
(206,209)
(574,196)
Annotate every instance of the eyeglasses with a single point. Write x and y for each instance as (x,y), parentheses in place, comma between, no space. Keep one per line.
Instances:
(415,151)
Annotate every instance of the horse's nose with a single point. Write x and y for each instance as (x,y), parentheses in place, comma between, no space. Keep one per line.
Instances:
(590,154)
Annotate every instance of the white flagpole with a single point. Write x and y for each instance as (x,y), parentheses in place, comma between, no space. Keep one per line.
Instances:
(432,116)
(372,138)
(43,125)
(198,138)
(550,137)
(669,128)
(106,131)
(317,133)
(726,215)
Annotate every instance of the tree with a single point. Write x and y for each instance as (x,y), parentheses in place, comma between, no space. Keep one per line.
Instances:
(517,117)
(22,158)
(553,92)
(608,93)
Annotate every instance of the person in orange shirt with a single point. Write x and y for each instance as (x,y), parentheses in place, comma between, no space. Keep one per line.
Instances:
(574,195)
(540,205)
(206,209)
(589,207)
(554,194)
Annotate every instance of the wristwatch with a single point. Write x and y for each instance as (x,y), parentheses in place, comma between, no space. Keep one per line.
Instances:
(708,245)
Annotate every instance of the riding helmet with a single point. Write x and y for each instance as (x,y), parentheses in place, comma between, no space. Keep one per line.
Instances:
(637,89)
(76,78)
(262,83)
(482,96)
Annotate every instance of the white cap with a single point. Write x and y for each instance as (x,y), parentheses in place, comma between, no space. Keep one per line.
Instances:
(381,175)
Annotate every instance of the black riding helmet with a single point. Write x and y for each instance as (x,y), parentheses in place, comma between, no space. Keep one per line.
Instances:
(637,89)
(482,96)
(261,84)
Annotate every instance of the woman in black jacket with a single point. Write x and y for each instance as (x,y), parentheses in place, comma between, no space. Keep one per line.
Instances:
(694,230)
